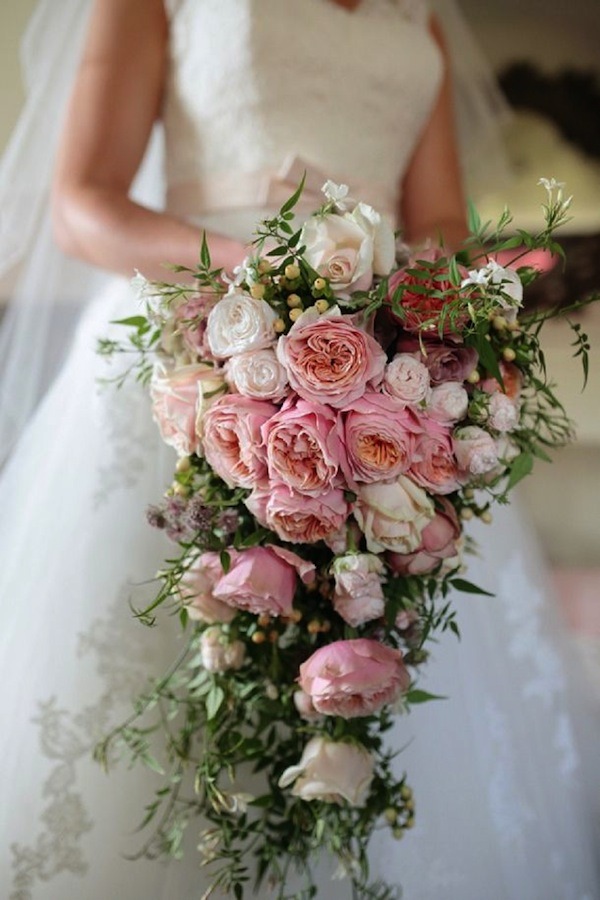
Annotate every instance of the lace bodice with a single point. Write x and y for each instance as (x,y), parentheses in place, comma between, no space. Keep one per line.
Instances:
(256,82)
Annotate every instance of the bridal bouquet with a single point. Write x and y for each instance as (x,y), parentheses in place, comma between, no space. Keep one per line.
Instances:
(339,409)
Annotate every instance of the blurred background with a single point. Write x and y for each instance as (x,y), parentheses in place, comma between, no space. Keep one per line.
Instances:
(545,55)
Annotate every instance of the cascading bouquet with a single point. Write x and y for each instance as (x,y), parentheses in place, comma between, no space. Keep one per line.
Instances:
(338,411)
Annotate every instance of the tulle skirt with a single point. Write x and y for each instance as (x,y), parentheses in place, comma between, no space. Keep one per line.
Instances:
(506,808)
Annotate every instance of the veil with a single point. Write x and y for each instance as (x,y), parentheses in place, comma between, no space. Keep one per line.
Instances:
(48,290)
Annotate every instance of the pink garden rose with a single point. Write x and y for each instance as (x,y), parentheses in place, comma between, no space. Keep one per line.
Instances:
(298,518)
(354,678)
(475,450)
(393,514)
(503,413)
(379,433)
(358,595)
(407,379)
(439,543)
(448,403)
(304,447)
(262,580)
(196,590)
(434,466)
(329,360)
(232,439)
(180,397)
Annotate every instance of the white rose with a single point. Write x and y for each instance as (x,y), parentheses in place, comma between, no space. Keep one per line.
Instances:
(347,249)
(258,374)
(503,413)
(392,515)
(384,239)
(358,595)
(407,379)
(339,250)
(217,654)
(331,771)
(448,402)
(239,323)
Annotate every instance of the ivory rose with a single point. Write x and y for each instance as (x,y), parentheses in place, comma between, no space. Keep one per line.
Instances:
(439,544)
(262,580)
(379,434)
(299,518)
(239,323)
(475,450)
(329,360)
(232,439)
(331,771)
(218,653)
(407,379)
(348,249)
(180,397)
(304,447)
(393,514)
(353,678)
(196,590)
(257,374)
(358,594)
(434,466)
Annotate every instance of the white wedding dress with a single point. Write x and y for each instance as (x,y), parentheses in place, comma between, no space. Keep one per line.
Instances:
(502,809)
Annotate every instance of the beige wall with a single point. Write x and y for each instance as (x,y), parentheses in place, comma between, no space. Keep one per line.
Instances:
(14,15)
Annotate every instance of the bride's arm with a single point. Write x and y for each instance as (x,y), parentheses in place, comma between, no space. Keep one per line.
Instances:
(432,193)
(116,99)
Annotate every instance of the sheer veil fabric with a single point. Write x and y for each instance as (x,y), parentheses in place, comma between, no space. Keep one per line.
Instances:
(503,803)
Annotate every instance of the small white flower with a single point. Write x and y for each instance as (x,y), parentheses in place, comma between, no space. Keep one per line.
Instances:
(338,195)
(551,184)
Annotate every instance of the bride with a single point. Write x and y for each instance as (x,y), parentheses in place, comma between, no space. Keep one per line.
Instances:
(359,92)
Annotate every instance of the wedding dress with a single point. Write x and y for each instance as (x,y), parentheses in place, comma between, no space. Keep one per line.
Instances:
(502,808)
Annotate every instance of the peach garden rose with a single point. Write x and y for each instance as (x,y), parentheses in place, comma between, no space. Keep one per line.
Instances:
(330,360)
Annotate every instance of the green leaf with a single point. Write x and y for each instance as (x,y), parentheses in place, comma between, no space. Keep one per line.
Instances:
(214,701)
(520,467)
(473,218)
(419,696)
(289,204)
(133,321)
(204,252)
(467,587)
(225,561)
